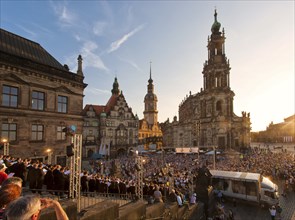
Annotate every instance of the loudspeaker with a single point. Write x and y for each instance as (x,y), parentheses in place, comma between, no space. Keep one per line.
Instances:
(70,150)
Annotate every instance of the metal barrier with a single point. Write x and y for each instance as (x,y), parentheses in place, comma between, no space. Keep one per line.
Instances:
(91,198)
(53,194)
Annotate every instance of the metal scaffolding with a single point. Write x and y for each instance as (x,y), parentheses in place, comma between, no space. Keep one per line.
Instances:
(139,177)
(75,168)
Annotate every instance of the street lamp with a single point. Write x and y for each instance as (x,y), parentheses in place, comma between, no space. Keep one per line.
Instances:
(49,154)
(5,146)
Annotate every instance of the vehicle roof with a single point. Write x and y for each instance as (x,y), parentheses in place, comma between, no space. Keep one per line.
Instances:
(235,175)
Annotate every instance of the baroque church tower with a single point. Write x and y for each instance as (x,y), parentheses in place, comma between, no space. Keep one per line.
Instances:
(207,118)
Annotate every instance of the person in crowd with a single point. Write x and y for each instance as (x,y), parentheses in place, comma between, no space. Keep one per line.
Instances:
(33,177)
(172,196)
(193,199)
(157,194)
(48,178)
(179,199)
(273,212)
(39,178)
(3,175)
(84,182)
(30,207)
(8,193)
(278,211)
(59,180)
(19,168)
(13,180)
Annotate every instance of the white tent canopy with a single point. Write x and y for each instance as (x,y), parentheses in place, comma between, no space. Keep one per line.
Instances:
(187,150)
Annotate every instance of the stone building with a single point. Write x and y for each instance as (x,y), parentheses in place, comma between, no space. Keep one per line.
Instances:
(39,98)
(283,132)
(207,118)
(150,133)
(113,126)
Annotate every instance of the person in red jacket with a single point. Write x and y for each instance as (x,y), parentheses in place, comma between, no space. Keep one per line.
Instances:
(3,175)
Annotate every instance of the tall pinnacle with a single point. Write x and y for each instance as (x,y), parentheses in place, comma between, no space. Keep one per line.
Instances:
(150,80)
(80,71)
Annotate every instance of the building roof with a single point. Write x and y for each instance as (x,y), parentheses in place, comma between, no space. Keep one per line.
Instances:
(290,118)
(235,175)
(96,108)
(111,103)
(18,46)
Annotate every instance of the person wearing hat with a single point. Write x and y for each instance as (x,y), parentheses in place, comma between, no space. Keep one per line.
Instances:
(3,175)
(273,212)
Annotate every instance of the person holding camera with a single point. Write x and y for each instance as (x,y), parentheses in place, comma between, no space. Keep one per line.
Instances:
(30,207)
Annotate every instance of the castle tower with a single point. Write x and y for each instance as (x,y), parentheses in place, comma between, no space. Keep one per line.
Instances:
(150,103)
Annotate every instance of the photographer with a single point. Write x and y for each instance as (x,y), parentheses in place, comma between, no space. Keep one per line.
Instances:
(30,207)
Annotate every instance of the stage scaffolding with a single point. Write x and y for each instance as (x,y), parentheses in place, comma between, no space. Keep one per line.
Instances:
(139,177)
(75,169)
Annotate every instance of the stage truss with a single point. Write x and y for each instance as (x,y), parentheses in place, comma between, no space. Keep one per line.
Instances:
(75,169)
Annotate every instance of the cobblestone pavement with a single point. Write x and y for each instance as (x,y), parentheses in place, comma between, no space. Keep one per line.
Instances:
(244,211)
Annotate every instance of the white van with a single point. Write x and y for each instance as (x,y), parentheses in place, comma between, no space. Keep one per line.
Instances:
(251,187)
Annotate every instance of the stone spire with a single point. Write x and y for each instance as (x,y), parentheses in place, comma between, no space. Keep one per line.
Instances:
(150,85)
(116,90)
(79,70)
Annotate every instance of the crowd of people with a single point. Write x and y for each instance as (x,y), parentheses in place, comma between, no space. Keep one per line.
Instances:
(167,177)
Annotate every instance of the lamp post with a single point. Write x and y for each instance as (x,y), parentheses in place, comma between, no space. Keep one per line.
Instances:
(5,146)
(49,154)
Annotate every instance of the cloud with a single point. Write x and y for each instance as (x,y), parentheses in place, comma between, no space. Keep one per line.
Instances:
(133,64)
(96,91)
(65,16)
(98,28)
(30,32)
(91,59)
(117,44)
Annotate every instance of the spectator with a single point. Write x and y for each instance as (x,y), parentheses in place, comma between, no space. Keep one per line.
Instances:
(29,207)
(193,199)
(158,194)
(3,175)
(273,212)
(8,193)
(179,200)
(12,180)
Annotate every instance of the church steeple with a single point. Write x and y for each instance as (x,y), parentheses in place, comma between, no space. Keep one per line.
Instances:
(216,69)
(216,25)
(115,90)
(150,101)
(150,85)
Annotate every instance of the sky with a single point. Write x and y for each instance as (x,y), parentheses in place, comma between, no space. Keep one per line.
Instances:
(121,38)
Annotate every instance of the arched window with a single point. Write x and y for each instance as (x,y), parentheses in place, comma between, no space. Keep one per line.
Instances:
(219,106)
